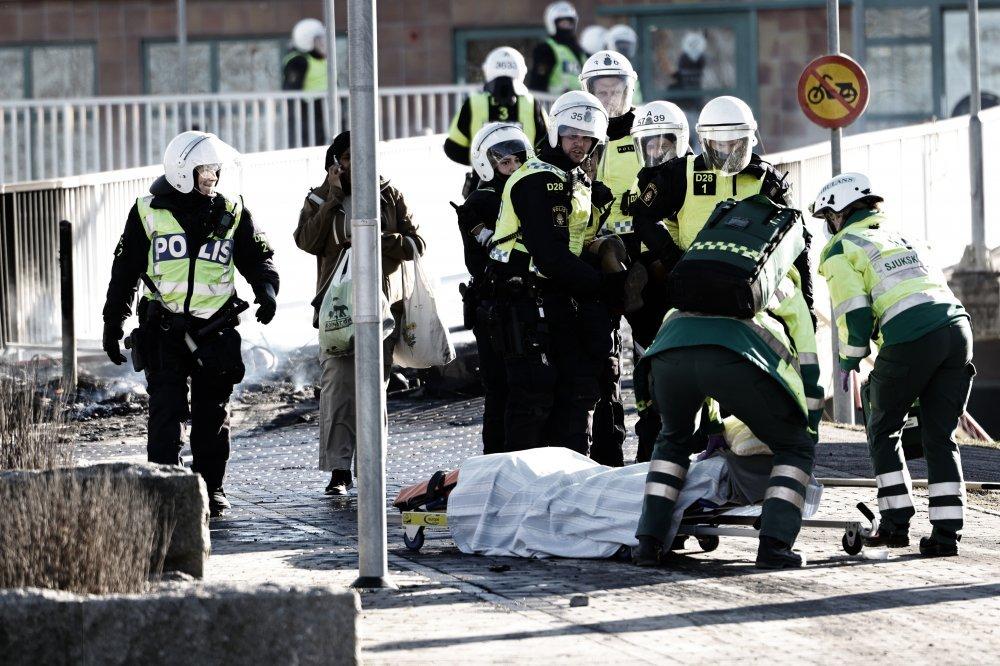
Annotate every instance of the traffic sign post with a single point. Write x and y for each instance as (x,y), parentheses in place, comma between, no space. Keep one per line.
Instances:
(833,91)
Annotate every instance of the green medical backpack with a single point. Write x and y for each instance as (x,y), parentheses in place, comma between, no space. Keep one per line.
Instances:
(736,261)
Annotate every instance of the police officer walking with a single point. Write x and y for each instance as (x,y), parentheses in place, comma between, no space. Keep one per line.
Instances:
(186,242)
(504,99)
(543,294)
(882,289)
(556,61)
(304,68)
(498,150)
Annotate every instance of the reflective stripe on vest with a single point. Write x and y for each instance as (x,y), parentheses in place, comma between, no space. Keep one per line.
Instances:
(508,231)
(316,75)
(479,114)
(169,262)
(618,170)
(565,73)
(705,189)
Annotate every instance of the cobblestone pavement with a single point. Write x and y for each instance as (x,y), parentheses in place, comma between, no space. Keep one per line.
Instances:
(706,607)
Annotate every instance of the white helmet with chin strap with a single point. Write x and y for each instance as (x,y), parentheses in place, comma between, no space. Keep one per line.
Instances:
(592,38)
(189,150)
(305,32)
(506,61)
(841,191)
(556,12)
(621,38)
(580,113)
(660,133)
(727,130)
(494,142)
(608,75)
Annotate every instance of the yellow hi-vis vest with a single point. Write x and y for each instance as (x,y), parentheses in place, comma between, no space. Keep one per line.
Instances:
(576,219)
(479,115)
(316,75)
(618,169)
(202,289)
(565,75)
(705,189)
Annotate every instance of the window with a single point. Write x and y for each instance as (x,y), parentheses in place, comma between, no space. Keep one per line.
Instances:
(956,59)
(472,47)
(225,65)
(47,71)
(899,60)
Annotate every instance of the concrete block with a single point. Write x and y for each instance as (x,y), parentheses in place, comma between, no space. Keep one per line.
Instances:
(176,488)
(221,625)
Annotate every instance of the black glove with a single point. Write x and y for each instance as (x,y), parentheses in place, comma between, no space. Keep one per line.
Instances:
(268,304)
(112,334)
(600,195)
(613,291)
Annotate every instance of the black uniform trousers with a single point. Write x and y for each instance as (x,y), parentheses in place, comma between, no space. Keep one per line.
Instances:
(169,367)
(493,375)
(553,346)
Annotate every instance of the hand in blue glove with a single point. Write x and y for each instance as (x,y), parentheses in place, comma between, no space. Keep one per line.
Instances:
(715,443)
(845,379)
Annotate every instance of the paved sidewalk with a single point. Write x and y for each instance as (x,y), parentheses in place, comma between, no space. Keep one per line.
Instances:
(708,607)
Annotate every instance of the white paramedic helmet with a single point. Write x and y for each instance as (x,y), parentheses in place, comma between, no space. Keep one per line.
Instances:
(660,133)
(621,38)
(592,38)
(506,61)
(305,32)
(577,112)
(726,128)
(192,149)
(494,142)
(556,11)
(841,191)
(605,66)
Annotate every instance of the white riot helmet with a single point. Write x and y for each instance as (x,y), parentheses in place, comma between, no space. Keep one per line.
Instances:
(305,33)
(592,38)
(578,112)
(621,38)
(726,128)
(506,61)
(609,76)
(557,11)
(841,191)
(660,133)
(495,142)
(189,150)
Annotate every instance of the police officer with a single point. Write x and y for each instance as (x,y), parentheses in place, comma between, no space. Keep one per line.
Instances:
(609,76)
(623,39)
(752,368)
(498,150)
(186,242)
(504,99)
(883,289)
(543,295)
(304,68)
(556,62)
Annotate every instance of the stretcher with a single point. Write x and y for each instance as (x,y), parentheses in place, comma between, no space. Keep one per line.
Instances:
(708,525)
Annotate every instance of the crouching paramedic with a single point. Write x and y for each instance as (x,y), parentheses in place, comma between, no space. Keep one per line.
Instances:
(755,368)
(882,289)
(543,296)
(186,242)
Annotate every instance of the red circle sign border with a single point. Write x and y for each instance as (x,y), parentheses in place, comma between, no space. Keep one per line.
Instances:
(855,113)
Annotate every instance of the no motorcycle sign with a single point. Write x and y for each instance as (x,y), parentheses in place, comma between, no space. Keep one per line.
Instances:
(833,91)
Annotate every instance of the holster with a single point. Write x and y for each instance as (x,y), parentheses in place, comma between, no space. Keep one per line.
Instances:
(470,302)
(134,343)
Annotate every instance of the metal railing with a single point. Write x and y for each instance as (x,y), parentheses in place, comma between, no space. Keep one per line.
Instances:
(42,139)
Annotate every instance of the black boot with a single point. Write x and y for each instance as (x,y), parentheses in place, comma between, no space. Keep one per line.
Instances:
(218,503)
(888,537)
(340,483)
(647,553)
(931,547)
(775,554)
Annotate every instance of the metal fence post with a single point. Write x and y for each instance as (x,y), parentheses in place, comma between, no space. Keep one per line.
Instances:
(66,306)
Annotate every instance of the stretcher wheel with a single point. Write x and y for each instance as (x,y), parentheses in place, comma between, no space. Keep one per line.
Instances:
(851,543)
(708,543)
(678,542)
(416,543)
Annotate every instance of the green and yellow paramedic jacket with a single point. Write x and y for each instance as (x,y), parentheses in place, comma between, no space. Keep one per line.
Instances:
(780,341)
(481,108)
(546,219)
(881,289)
(194,270)
(315,79)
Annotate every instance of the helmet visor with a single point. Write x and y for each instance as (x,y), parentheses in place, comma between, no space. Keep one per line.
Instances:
(728,156)
(615,93)
(507,156)
(625,46)
(655,149)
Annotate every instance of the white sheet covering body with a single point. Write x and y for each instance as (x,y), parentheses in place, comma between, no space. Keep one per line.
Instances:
(553,502)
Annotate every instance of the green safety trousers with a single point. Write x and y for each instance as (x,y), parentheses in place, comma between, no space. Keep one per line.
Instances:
(681,380)
(936,368)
